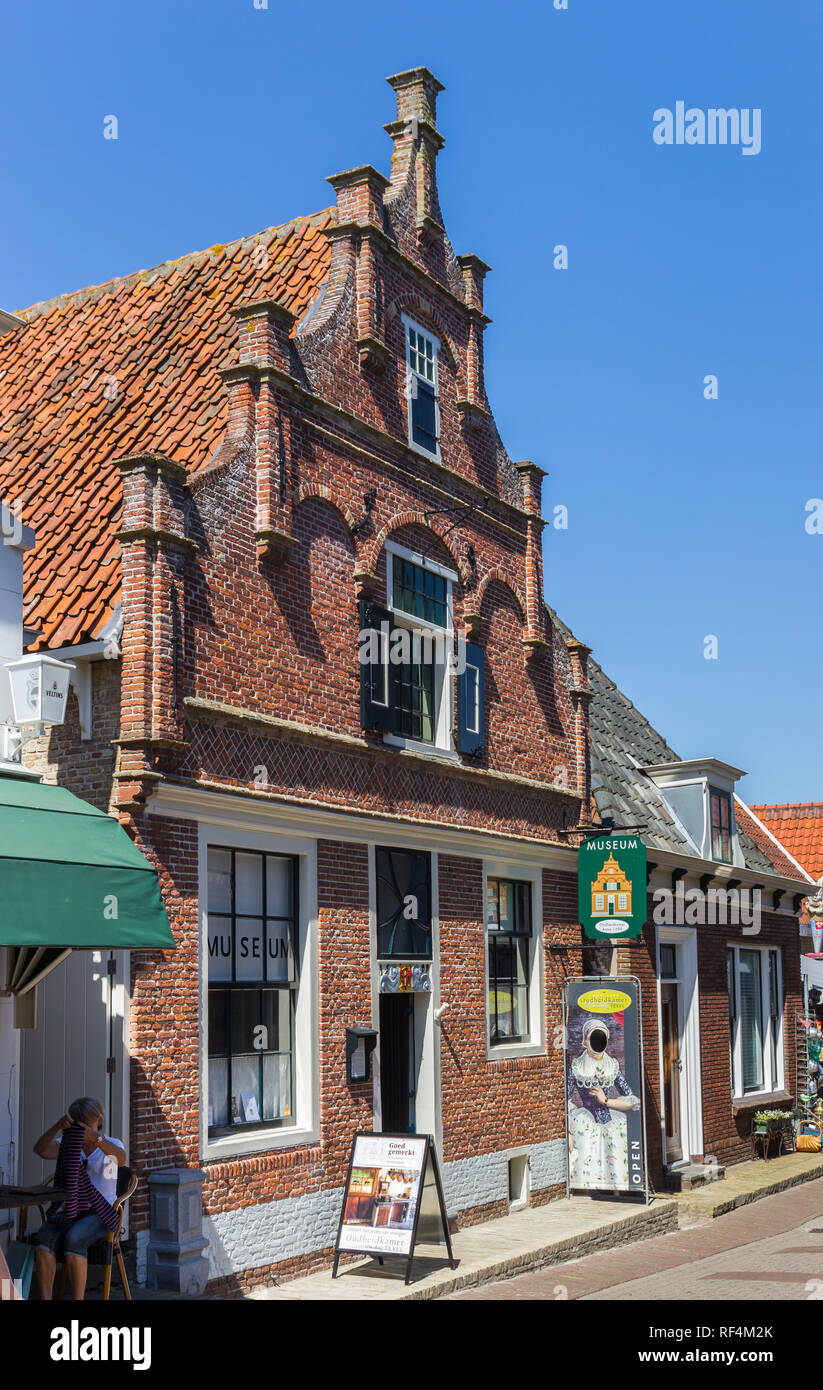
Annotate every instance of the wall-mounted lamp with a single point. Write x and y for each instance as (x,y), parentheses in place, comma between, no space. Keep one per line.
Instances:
(39,694)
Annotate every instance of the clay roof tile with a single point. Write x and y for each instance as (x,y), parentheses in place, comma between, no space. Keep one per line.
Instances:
(159,336)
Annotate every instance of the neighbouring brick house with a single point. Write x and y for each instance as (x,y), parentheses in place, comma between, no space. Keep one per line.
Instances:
(247,470)
(799,828)
(721,997)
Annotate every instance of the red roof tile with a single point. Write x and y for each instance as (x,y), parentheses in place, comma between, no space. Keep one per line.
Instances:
(800,828)
(160,335)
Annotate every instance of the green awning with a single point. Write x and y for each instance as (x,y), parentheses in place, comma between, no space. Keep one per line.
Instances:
(71,877)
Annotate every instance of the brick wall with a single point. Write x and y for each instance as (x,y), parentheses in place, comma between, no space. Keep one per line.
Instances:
(493,1104)
(83,766)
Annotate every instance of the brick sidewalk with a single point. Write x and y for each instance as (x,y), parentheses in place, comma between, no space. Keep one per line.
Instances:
(548,1238)
(747,1182)
(522,1241)
(653,1258)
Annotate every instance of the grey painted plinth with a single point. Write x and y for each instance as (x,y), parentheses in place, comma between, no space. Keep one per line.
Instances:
(176,1241)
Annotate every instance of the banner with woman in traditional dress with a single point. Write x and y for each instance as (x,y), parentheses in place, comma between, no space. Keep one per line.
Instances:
(604,1086)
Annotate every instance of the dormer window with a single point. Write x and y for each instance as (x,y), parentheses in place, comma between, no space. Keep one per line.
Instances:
(721,823)
(422,388)
(700,795)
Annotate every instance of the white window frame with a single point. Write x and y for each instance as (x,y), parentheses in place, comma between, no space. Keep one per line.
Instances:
(412,373)
(770,1083)
(535,1044)
(443,745)
(306,1129)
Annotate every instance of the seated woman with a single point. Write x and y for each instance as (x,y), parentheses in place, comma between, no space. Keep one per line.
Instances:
(87,1163)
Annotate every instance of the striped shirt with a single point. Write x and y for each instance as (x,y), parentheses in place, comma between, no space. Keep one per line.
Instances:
(71,1177)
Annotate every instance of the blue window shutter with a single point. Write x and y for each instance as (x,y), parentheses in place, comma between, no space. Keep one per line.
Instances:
(424,416)
(471,705)
(375,687)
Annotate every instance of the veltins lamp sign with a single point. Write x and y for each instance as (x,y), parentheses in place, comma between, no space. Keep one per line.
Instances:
(611,885)
(39,689)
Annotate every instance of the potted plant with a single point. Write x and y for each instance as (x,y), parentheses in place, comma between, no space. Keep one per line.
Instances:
(767,1121)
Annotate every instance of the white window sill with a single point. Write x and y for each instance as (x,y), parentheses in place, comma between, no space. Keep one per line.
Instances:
(256,1141)
(500,1051)
(424,453)
(415,746)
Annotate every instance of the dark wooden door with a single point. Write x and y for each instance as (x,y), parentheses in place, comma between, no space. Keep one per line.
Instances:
(397,1090)
(671,1071)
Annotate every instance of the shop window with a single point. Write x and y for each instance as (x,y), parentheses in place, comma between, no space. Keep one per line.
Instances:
(252,979)
(509,954)
(407,659)
(721,825)
(422,389)
(755,1019)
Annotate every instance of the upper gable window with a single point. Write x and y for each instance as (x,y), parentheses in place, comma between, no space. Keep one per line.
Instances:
(721,825)
(407,661)
(422,388)
(420,682)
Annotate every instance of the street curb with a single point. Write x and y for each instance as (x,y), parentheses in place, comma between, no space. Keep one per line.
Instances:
(644,1223)
(691,1213)
(655,1220)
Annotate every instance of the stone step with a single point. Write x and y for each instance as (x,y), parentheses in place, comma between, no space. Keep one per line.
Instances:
(693,1175)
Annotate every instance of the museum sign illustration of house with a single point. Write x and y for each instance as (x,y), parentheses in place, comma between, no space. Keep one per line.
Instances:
(611,890)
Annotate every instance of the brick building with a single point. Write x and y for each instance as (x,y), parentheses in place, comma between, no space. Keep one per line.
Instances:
(799,828)
(301,582)
(719,959)
(255,474)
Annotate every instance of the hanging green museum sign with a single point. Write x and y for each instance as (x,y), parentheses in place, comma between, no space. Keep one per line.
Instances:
(611,884)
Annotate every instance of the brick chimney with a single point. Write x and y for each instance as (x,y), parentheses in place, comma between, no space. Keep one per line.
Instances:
(581,695)
(356,238)
(535,640)
(417,142)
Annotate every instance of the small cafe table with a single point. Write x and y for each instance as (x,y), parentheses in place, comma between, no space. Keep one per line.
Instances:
(21,1198)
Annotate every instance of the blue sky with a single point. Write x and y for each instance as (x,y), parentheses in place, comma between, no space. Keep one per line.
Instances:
(686,516)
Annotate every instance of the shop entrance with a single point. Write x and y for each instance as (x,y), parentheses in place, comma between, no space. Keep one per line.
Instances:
(398,1066)
(76,1049)
(672,1067)
(680,1076)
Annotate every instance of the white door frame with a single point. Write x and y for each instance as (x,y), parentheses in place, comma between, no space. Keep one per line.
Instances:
(688,1023)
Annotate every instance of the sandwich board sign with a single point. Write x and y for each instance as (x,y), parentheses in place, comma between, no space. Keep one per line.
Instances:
(611,885)
(393,1198)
